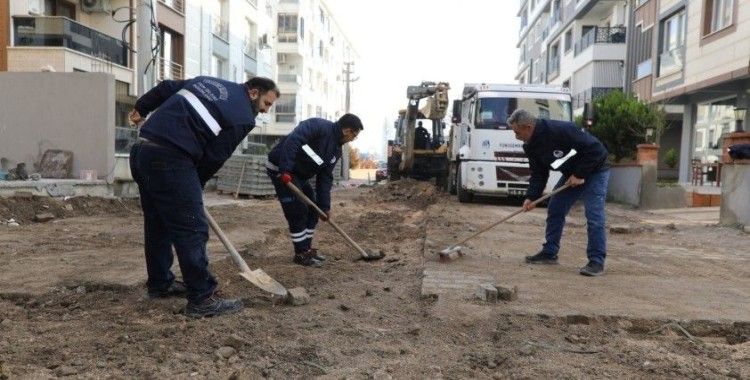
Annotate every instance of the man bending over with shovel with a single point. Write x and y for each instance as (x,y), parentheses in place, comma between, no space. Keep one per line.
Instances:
(582,159)
(310,150)
(194,127)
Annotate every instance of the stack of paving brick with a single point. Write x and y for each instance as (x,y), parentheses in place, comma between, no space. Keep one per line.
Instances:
(255,181)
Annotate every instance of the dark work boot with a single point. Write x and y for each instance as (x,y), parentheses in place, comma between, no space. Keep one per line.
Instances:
(542,258)
(317,255)
(213,306)
(306,258)
(592,269)
(177,289)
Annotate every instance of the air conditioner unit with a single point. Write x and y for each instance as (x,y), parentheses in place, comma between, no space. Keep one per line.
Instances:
(282,58)
(95,6)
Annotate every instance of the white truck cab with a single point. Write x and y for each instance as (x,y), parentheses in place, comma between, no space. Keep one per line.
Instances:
(484,155)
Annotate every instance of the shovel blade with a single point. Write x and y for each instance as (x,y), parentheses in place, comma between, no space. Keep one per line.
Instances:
(262,280)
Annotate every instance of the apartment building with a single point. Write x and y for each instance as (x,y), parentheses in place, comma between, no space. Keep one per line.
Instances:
(91,36)
(692,57)
(312,53)
(579,44)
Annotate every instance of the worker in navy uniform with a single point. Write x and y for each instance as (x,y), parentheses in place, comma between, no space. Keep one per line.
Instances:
(310,150)
(193,126)
(582,160)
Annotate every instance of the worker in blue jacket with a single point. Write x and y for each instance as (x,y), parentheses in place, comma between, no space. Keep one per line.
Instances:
(310,150)
(582,159)
(189,128)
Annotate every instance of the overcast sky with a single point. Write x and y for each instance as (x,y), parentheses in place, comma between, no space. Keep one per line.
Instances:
(405,42)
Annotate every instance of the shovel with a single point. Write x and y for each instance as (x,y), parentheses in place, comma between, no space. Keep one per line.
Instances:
(369,255)
(454,251)
(257,277)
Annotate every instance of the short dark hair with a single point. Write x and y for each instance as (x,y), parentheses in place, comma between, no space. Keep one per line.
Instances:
(350,121)
(263,85)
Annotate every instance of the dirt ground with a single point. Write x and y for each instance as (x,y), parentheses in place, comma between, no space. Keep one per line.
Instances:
(72,297)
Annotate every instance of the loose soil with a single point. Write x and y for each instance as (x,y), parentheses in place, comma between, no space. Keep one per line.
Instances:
(72,303)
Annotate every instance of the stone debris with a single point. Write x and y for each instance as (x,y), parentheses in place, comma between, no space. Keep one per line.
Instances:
(486,292)
(44,217)
(225,352)
(298,296)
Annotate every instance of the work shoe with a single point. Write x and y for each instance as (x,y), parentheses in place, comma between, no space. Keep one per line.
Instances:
(592,269)
(317,255)
(542,258)
(307,258)
(177,289)
(213,306)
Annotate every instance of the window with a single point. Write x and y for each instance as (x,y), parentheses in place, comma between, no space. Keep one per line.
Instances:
(672,42)
(287,26)
(568,40)
(217,66)
(553,65)
(718,15)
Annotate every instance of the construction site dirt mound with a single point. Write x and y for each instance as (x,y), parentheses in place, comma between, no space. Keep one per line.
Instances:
(416,194)
(23,209)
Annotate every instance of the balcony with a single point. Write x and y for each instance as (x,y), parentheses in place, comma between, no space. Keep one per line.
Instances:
(288,36)
(41,31)
(600,35)
(553,69)
(177,5)
(286,109)
(168,70)
(290,78)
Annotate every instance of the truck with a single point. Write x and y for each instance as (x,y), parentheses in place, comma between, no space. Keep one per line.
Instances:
(484,156)
(429,160)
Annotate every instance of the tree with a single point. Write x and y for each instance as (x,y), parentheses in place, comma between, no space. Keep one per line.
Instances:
(353,158)
(621,123)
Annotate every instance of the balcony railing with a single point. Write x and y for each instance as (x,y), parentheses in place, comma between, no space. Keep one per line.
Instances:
(670,61)
(251,48)
(288,36)
(220,29)
(289,1)
(178,5)
(168,70)
(600,35)
(290,78)
(254,3)
(63,32)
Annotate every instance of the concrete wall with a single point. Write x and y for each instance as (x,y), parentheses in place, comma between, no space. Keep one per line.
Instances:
(68,111)
(735,192)
(625,185)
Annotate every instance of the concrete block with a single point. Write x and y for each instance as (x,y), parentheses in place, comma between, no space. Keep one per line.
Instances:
(43,217)
(486,292)
(747,229)
(506,294)
(298,296)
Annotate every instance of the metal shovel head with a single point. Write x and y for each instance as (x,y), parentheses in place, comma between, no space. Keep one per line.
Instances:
(262,280)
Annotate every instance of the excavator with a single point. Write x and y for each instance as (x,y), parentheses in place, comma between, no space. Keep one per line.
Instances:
(428,159)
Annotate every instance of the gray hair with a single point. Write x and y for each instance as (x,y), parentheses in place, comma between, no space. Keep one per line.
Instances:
(521,117)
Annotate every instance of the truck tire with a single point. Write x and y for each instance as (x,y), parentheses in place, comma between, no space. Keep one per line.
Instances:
(463,195)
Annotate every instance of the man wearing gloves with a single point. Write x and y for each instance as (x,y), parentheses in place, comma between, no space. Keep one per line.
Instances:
(310,150)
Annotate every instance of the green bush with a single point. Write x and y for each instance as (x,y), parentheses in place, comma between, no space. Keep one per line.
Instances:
(621,122)
(670,158)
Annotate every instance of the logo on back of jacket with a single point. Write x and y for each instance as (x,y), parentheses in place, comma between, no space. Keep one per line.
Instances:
(202,88)
(558,153)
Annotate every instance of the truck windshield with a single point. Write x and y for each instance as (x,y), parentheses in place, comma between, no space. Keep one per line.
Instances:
(493,113)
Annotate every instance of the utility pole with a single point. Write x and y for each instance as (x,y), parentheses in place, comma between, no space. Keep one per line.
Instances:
(348,79)
(146,13)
